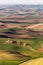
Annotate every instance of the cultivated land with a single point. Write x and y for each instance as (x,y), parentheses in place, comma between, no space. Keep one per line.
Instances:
(21,35)
(38,61)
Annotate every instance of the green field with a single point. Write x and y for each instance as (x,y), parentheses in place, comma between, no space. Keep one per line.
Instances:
(33,42)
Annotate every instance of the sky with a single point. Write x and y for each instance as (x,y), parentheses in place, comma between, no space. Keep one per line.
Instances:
(21,1)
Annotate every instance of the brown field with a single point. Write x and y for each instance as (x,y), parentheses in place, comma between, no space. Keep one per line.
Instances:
(16,36)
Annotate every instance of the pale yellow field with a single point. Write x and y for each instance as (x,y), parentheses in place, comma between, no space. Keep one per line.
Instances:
(6,56)
(9,56)
(38,61)
(36,27)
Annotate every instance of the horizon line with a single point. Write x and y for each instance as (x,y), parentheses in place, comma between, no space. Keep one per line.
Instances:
(21,4)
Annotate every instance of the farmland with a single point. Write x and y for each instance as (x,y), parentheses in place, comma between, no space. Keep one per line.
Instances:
(21,34)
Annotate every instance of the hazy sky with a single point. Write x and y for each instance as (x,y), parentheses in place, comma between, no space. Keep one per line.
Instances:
(21,1)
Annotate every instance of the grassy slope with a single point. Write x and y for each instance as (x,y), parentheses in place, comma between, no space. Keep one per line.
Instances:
(10,47)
